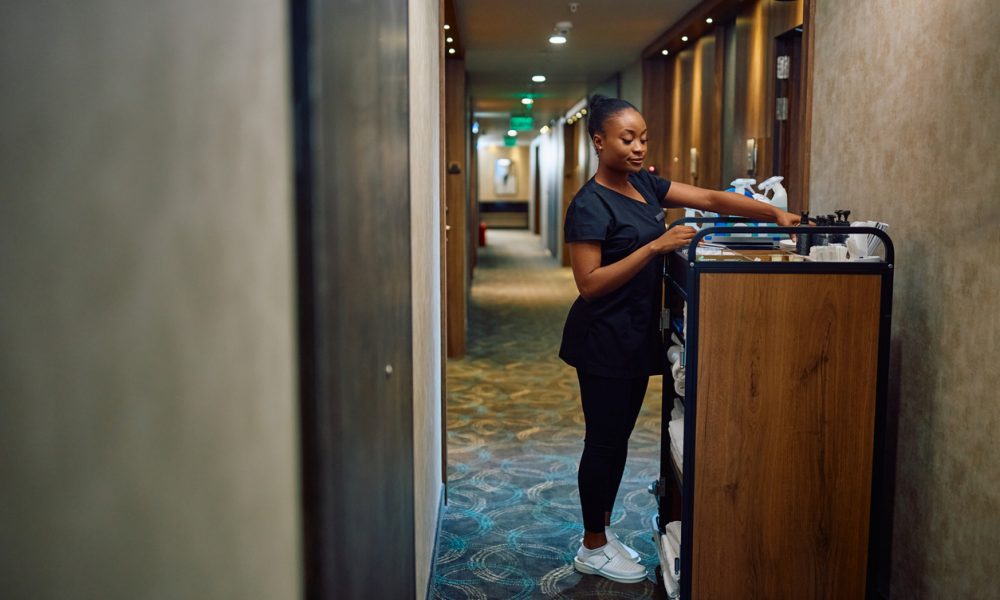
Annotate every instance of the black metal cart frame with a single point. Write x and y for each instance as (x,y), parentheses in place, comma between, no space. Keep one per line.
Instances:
(681,277)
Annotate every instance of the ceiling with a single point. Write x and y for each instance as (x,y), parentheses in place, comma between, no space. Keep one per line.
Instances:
(505,42)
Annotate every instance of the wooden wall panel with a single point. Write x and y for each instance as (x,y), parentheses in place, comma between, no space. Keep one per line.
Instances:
(720,92)
(709,123)
(756,28)
(358,429)
(657,110)
(457,217)
(443,216)
(784,435)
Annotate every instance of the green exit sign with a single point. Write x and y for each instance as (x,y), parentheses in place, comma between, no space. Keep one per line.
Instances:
(509,140)
(522,123)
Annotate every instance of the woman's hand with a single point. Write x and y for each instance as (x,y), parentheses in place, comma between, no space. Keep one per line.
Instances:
(787,219)
(674,238)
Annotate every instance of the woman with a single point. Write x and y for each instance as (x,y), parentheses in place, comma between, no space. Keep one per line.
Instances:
(615,229)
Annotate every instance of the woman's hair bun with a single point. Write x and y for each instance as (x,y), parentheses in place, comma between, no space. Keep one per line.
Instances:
(597,99)
(601,109)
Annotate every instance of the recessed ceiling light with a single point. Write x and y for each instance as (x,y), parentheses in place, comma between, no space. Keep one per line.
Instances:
(528,101)
(583,110)
(664,52)
(449,39)
(451,50)
(684,38)
(557,38)
(447,27)
(538,78)
(709,20)
(577,115)
(544,129)
(512,133)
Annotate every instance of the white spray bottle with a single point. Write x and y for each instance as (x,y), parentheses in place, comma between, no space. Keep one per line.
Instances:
(773,193)
(743,187)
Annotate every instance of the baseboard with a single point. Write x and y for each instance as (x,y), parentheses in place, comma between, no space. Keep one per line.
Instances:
(437,539)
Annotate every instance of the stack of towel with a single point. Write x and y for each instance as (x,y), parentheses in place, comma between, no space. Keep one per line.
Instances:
(674,357)
(676,430)
(671,549)
(676,425)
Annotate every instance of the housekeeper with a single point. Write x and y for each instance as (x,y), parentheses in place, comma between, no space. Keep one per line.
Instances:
(616,231)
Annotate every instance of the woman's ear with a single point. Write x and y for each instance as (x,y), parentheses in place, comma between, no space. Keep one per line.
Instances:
(598,143)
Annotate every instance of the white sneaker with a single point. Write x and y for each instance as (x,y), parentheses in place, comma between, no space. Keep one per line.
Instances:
(607,561)
(622,547)
(614,541)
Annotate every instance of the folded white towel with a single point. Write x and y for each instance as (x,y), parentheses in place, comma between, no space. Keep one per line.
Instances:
(668,553)
(677,412)
(676,430)
(685,330)
(677,371)
(674,354)
(677,454)
(673,548)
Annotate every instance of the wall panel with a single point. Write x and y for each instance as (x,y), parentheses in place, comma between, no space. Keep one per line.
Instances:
(364,426)
(425,226)
(148,389)
(907,135)
(456,206)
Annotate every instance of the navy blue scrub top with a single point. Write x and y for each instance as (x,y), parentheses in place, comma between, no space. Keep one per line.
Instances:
(617,335)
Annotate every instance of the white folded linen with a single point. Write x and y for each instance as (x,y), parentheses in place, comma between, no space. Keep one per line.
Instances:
(676,430)
(674,354)
(673,548)
(677,455)
(677,371)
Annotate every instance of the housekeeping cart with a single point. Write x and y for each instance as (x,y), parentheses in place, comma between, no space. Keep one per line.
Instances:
(774,412)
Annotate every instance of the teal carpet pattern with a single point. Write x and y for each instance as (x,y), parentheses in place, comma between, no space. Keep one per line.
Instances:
(512,523)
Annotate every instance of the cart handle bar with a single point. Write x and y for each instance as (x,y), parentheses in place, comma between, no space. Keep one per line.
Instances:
(890,254)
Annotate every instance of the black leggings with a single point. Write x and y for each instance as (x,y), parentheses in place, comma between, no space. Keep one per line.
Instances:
(610,408)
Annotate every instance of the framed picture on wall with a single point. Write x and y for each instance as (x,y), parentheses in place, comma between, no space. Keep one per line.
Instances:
(504,178)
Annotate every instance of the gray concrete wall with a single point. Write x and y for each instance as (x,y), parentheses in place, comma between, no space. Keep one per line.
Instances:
(148,435)
(905,122)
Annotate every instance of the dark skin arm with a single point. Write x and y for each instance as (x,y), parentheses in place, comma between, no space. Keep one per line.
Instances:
(726,203)
(594,281)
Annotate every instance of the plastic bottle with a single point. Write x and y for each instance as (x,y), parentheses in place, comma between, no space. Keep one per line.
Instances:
(802,241)
(743,186)
(778,197)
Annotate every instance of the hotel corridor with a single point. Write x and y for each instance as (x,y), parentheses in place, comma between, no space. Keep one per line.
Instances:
(515,434)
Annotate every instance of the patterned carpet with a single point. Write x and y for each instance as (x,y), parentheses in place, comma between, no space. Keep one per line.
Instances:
(515,433)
